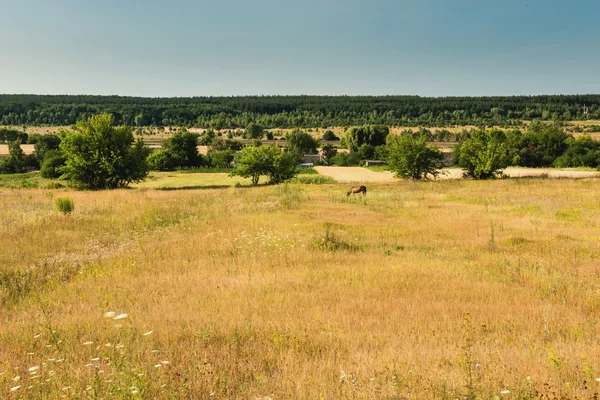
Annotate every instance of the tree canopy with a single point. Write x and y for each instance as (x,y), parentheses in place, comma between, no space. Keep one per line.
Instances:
(254,161)
(100,155)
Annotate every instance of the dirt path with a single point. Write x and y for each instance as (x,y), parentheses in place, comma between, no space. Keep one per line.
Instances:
(359,174)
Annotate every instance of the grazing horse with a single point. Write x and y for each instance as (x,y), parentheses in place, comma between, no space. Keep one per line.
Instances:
(357,189)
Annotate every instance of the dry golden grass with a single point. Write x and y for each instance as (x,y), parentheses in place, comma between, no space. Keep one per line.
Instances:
(442,289)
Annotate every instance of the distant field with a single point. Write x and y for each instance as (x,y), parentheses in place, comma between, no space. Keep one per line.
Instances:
(424,290)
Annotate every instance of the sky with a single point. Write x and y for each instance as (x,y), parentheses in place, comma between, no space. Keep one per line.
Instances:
(182,48)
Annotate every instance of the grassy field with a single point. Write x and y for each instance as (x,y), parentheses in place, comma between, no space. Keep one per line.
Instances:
(448,289)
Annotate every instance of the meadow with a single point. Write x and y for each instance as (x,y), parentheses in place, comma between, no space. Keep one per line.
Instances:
(446,289)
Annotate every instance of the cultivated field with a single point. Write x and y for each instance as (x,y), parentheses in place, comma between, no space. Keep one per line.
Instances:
(445,289)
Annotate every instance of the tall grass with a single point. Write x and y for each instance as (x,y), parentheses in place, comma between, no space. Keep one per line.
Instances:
(420,290)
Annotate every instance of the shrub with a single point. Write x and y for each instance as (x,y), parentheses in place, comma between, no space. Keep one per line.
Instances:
(64,204)
(52,163)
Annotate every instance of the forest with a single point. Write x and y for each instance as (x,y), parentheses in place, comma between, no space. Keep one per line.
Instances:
(297,111)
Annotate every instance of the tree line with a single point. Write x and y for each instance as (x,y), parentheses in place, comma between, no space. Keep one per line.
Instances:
(100,154)
(297,111)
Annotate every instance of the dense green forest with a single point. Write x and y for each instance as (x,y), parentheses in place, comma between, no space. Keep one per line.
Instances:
(297,111)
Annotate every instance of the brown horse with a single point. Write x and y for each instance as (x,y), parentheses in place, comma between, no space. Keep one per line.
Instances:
(357,189)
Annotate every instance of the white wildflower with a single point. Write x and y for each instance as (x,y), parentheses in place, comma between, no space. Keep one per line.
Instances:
(109,314)
(87,343)
(14,388)
(120,316)
(148,333)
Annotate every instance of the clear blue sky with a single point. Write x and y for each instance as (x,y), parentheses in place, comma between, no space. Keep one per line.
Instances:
(237,47)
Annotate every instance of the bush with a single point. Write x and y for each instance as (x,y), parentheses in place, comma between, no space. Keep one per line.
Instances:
(53,161)
(64,204)
(159,160)
(411,157)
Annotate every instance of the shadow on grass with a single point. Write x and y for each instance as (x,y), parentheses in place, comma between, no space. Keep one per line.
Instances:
(199,187)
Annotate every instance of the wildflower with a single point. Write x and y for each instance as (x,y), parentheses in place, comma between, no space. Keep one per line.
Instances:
(120,316)
(597,379)
(134,390)
(108,345)
(158,366)
(155,351)
(37,336)
(506,391)
(87,343)
(14,388)
(148,333)
(109,314)
(66,388)
(95,359)
(16,378)
(34,369)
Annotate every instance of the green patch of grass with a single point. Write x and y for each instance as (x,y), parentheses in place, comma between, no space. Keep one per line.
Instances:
(570,214)
(175,180)
(378,168)
(312,179)
(204,170)
(306,171)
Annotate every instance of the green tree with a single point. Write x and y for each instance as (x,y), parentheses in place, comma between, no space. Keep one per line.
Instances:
(581,152)
(100,155)
(329,151)
(221,158)
(16,161)
(254,131)
(299,143)
(412,158)
(51,166)
(179,151)
(374,135)
(45,143)
(484,154)
(329,135)
(252,162)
